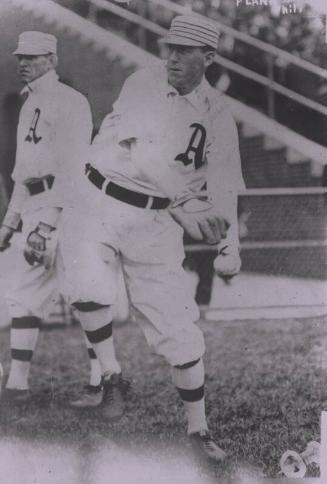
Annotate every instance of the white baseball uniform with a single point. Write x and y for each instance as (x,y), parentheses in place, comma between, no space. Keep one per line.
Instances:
(185,142)
(55,126)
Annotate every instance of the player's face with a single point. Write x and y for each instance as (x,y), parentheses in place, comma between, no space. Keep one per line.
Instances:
(186,66)
(32,67)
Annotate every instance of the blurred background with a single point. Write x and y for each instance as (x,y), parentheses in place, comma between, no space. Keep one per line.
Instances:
(271,65)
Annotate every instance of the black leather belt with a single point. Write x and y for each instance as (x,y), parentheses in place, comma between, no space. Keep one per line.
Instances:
(124,194)
(40,185)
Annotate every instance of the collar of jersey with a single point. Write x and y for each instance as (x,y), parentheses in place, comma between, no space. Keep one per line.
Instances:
(199,97)
(41,84)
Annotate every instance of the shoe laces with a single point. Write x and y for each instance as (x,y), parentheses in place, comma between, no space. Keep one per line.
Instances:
(121,384)
(108,394)
(93,388)
(205,437)
(207,440)
(210,446)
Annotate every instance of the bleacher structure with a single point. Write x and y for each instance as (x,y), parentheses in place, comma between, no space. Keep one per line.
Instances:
(284,172)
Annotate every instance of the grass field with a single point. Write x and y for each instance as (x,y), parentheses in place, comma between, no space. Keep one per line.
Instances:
(266,384)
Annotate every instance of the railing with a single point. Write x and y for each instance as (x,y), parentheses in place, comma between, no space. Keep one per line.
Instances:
(271,53)
(132,55)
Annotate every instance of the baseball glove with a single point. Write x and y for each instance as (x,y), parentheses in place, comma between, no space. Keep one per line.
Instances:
(200,220)
(41,246)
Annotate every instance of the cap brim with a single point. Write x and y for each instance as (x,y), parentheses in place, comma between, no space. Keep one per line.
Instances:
(177,40)
(30,51)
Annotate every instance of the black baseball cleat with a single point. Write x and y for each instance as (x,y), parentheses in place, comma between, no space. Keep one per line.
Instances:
(204,445)
(91,398)
(115,390)
(15,395)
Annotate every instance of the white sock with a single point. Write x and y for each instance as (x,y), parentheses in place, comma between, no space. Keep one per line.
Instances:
(95,368)
(23,338)
(190,385)
(99,333)
(18,375)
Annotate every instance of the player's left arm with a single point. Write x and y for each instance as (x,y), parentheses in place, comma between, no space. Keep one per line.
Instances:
(193,211)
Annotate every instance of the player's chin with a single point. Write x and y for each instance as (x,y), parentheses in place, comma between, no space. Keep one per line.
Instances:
(25,78)
(175,77)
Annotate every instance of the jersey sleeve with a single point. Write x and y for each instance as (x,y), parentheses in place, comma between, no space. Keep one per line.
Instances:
(128,111)
(16,204)
(123,123)
(74,130)
(225,178)
(129,127)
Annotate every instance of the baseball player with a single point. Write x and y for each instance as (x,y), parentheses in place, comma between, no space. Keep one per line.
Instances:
(165,160)
(55,126)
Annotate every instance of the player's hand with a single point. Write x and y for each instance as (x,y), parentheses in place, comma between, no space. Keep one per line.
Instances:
(5,235)
(36,241)
(228,262)
(31,256)
(36,249)
(201,221)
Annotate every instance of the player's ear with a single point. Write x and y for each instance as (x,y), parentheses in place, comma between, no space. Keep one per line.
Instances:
(53,60)
(209,56)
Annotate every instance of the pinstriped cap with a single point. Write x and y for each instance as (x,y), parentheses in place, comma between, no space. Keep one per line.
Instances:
(192,30)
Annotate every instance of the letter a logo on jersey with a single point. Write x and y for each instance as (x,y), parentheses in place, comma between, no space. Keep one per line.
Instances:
(195,147)
(32,136)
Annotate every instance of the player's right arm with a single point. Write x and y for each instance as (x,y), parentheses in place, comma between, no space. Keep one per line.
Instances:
(5,235)
(126,126)
(11,221)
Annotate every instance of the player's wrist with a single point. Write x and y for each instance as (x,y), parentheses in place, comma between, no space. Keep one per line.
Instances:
(183,198)
(11,220)
(45,227)
(44,230)
(49,217)
(226,247)
(8,228)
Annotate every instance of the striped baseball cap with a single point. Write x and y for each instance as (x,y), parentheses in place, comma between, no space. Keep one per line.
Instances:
(192,30)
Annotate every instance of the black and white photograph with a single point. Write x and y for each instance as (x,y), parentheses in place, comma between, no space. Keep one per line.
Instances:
(163,241)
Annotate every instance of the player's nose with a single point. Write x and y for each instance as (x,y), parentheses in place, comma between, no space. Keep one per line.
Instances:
(22,61)
(173,54)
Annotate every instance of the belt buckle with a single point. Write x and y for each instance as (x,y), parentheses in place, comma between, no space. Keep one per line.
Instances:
(104,187)
(45,183)
(150,201)
(36,186)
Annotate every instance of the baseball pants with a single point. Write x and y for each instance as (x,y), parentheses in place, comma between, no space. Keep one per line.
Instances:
(148,245)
